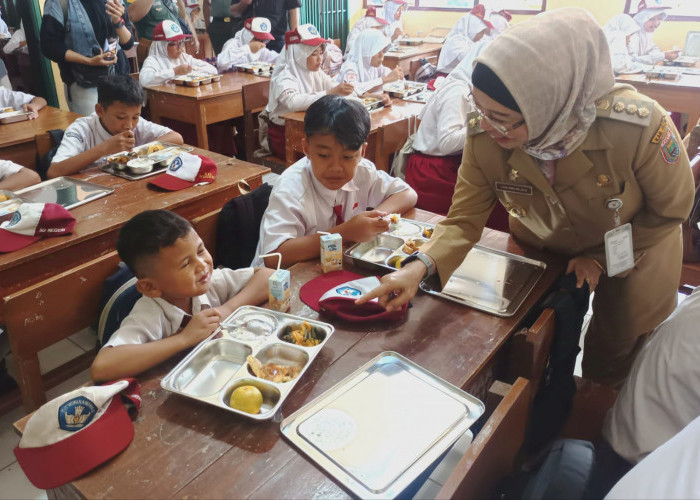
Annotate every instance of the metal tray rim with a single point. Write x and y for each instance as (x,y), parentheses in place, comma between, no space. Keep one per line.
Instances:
(104,190)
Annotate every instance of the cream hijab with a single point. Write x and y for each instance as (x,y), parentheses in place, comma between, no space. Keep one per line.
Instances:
(368,44)
(555,74)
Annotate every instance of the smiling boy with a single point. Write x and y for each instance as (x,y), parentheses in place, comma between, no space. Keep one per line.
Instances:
(332,189)
(116,125)
(184,297)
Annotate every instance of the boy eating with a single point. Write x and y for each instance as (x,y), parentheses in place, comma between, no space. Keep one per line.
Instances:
(116,125)
(332,188)
(184,297)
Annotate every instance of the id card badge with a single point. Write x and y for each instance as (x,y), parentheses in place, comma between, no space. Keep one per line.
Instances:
(619,251)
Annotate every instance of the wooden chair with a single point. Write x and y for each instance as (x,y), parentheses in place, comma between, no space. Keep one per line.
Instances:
(492,454)
(255,97)
(48,312)
(133,59)
(205,225)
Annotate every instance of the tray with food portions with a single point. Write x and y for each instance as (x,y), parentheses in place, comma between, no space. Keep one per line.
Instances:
(252,363)
(195,79)
(257,68)
(684,61)
(143,161)
(10,115)
(489,280)
(404,88)
(371,103)
(663,73)
(408,40)
(423,96)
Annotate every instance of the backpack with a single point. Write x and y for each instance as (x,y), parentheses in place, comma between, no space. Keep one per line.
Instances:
(44,162)
(238,228)
(119,295)
(426,72)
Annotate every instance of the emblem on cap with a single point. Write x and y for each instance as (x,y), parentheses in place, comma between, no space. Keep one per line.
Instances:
(176,164)
(16,217)
(348,291)
(76,414)
(313,30)
(175,28)
(263,26)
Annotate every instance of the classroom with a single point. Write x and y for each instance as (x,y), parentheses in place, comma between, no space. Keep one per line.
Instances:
(417,249)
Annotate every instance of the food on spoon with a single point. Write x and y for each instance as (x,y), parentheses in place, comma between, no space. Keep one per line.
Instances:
(272,371)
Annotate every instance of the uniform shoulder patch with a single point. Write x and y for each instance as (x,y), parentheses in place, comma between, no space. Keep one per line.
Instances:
(474,123)
(626,109)
(75,135)
(670,149)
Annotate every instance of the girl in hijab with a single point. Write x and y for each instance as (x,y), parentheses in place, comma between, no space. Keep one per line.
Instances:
(167,57)
(500,19)
(297,81)
(393,12)
(248,45)
(618,32)
(583,166)
(468,30)
(363,68)
(641,45)
(370,21)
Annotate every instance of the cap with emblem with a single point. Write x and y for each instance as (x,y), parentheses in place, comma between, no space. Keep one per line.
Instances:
(372,12)
(168,31)
(76,432)
(260,27)
(33,221)
(306,34)
(186,170)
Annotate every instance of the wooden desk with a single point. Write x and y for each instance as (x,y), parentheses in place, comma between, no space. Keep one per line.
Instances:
(408,53)
(682,96)
(17,139)
(185,449)
(201,105)
(99,221)
(388,132)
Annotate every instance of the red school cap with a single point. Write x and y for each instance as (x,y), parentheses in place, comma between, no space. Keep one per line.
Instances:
(32,222)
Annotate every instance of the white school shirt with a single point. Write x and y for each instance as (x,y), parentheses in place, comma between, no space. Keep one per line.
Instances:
(671,471)
(643,49)
(158,68)
(17,37)
(300,205)
(14,99)
(87,132)
(155,318)
(662,393)
(8,168)
(443,127)
(237,51)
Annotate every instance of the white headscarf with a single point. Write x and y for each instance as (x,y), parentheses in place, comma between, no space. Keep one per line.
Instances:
(158,57)
(468,25)
(555,74)
(390,9)
(367,45)
(646,39)
(621,24)
(362,25)
(616,31)
(644,15)
(291,71)
(500,23)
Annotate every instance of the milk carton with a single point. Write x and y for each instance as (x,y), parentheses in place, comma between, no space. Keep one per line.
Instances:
(331,252)
(279,290)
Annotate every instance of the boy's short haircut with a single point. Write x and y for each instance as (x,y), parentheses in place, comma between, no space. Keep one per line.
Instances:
(346,119)
(145,234)
(119,88)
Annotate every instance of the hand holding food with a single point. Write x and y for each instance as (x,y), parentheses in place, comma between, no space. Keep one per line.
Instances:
(201,326)
(396,74)
(120,142)
(256,46)
(182,69)
(364,226)
(343,88)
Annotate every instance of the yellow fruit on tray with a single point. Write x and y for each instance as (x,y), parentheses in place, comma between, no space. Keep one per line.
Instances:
(247,398)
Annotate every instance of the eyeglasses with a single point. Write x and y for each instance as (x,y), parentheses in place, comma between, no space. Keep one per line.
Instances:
(500,127)
(179,43)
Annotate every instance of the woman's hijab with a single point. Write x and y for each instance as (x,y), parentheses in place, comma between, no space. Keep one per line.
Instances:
(368,44)
(555,74)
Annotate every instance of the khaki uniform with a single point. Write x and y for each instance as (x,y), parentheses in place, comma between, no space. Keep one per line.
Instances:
(632,153)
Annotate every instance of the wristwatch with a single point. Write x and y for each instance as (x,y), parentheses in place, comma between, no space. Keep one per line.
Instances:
(120,24)
(430,266)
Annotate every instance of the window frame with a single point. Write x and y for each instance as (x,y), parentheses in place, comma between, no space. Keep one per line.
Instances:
(628,6)
(416,6)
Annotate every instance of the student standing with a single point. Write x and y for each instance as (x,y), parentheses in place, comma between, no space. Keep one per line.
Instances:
(556,146)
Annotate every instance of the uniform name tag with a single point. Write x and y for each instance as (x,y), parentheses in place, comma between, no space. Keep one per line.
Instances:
(514,188)
(619,251)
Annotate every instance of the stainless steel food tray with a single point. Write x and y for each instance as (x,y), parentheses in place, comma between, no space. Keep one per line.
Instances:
(379,428)
(111,168)
(217,366)
(489,280)
(403,88)
(66,191)
(421,97)
(257,68)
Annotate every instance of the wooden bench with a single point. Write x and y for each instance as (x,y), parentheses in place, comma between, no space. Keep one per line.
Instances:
(491,456)
(54,309)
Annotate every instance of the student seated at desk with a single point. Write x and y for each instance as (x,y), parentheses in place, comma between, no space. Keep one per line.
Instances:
(370,21)
(298,81)
(14,176)
(248,45)
(167,57)
(184,297)
(21,101)
(116,125)
(641,45)
(393,12)
(363,67)
(618,31)
(332,189)
(469,30)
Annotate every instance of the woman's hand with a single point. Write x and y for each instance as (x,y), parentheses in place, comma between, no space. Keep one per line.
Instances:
(342,89)
(103,59)
(587,270)
(397,288)
(115,11)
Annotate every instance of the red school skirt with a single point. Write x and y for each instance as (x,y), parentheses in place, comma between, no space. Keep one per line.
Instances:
(275,136)
(434,179)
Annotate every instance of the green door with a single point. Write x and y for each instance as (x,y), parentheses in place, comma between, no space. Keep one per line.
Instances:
(329,16)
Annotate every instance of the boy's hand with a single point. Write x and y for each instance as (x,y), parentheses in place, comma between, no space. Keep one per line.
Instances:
(256,46)
(119,142)
(364,226)
(183,69)
(342,89)
(201,326)
(31,108)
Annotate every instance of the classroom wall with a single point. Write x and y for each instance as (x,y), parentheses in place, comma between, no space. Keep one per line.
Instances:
(669,34)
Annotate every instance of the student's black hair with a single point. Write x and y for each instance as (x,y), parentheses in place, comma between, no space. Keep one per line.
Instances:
(346,119)
(119,88)
(146,233)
